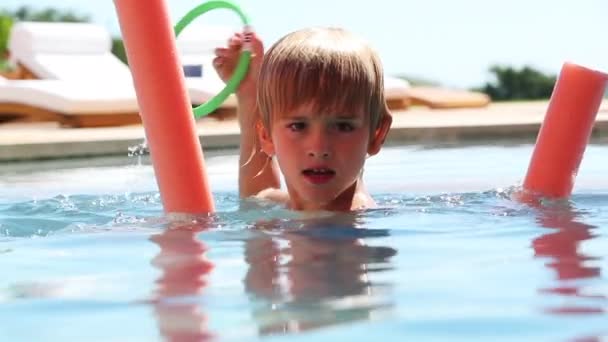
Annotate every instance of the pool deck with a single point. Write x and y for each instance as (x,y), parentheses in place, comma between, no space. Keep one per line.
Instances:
(416,125)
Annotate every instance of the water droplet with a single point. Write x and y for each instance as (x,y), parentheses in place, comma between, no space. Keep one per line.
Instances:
(138,150)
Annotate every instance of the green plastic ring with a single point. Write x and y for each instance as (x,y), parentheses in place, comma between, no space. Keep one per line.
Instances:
(242,65)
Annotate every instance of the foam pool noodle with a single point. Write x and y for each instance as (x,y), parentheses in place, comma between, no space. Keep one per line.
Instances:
(565,132)
(164,106)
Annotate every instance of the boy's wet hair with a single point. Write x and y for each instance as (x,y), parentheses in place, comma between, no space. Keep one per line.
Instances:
(328,68)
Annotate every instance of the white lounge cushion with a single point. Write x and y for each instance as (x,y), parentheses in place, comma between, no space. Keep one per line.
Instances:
(28,38)
(197,40)
(196,47)
(101,67)
(69,97)
(395,88)
(66,51)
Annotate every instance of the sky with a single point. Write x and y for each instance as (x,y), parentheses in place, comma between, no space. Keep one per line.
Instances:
(450,42)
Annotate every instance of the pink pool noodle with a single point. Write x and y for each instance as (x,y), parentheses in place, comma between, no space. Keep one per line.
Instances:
(565,132)
(164,105)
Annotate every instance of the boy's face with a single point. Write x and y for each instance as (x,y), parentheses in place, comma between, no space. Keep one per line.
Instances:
(320,156)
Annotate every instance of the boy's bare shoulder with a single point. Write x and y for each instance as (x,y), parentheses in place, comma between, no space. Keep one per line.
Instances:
(273,194)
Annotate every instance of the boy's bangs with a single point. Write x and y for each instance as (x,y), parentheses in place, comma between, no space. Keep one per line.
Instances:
(332,84)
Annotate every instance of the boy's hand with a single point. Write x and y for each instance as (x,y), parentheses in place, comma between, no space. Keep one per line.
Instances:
(226,59)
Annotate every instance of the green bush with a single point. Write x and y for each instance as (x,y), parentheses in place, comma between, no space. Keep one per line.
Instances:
(25,13)
(518,84)
(118,49)
(6,22)
(4,65)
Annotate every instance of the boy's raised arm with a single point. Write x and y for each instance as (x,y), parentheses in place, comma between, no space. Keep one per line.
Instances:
(257,172)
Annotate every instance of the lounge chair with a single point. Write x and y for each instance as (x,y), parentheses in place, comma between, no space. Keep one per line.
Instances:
(66,51)
(445,98)
(196,45)
(66,73)
(69,103)
(81,53)
(396,92)
(87,55)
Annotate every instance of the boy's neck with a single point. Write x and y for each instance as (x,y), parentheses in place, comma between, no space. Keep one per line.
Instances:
(354,197)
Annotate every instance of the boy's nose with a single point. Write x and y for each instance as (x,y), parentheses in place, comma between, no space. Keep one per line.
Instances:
(319,145)
(318,154)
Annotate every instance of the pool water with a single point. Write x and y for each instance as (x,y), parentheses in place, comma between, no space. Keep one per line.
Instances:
(87,255)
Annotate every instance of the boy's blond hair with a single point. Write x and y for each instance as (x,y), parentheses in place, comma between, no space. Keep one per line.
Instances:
(329,68)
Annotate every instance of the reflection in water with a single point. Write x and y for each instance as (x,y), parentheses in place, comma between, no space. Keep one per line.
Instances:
(313,273)
(561,246)
(301,275)
(184,270)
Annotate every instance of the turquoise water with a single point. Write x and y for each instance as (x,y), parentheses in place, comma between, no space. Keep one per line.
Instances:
(86,255)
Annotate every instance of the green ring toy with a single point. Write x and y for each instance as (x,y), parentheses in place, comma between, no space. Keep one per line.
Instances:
(243,64)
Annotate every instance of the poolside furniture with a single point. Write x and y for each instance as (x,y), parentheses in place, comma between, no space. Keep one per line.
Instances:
(400,95)
(82,51)
(69,103)
(65,51)
(78,56)
(396,93)
(196,46)
(67,73)
(445,98)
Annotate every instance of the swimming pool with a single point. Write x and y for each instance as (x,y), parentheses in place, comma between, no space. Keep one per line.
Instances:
(86,255)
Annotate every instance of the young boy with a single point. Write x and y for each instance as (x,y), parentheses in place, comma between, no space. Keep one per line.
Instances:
(313,106)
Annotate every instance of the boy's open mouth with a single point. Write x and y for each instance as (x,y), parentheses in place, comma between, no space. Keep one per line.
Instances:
(319,175)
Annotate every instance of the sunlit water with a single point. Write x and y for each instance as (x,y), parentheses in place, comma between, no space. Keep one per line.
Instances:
(86,255)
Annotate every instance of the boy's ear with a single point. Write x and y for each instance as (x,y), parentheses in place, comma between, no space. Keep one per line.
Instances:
(379,135)
(265,139)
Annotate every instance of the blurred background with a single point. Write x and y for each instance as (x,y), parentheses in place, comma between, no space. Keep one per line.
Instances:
(511,50)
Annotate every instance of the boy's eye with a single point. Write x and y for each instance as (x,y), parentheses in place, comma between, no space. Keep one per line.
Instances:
(296,126)
(345,126)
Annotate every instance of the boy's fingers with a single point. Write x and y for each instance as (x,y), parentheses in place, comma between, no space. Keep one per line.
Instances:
(235,42)
(255,41)
(226,53)
(218,61)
